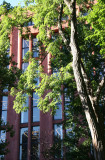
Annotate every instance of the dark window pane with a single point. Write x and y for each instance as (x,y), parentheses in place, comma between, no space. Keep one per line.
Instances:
(20,152)
(30,23)
(2,140)
(58,137)
(23,133)
(36,143)
(1,157)
(23,143)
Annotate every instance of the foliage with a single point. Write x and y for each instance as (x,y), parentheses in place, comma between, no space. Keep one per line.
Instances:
(76,142)
(97,21)
(25,86)
(4,143)
(91,43)
(8,76)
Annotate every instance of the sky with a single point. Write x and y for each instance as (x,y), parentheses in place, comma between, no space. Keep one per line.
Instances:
(13,2)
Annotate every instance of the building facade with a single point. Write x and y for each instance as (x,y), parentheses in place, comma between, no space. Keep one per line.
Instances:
(34,130)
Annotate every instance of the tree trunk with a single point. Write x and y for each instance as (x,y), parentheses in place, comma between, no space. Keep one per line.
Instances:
(93,117)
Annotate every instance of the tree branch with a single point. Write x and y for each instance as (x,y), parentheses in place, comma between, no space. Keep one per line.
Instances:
(66,42)
(67,2)
(99,88)
(86,80)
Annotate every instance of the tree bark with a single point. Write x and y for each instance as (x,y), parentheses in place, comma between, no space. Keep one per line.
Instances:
(92,111)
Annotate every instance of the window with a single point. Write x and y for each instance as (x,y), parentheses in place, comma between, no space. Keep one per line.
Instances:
(65,18)
(4,109)
(36,143)
(58,131)
(25,47)
(67,97)
(24,114)
(55,72)
(37,79)
(69,132)
(6,89)
(58,114)
(8,51)
(35,48)
(30,23)
(67,102)
(54,36)
(2,140)
(36,111)
(24,66)
(58,137)
(23,143)
(2,136)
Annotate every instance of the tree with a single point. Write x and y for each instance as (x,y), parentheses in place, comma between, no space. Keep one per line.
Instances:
(8,77)
(76,143)
(89,101)
(79,52)
(89,97)
(4,128)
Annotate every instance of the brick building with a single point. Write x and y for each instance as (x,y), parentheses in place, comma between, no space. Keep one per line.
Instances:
(34,130)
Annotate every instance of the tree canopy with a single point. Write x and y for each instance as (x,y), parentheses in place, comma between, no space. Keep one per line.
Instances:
(79,49)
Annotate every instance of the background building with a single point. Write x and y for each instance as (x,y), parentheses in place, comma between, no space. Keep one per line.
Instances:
(34,130)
